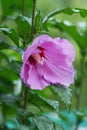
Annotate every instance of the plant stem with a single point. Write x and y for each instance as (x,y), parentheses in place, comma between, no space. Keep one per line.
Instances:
(33,19)
(25,94)
(23,7)
(25,97)
(78,102)
(32,34)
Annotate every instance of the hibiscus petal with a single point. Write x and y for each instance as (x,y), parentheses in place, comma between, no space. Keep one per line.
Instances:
(34,80)
(24,72)
(54,54)
(29,51)
(32,49)
(56,75)
(42,38)
(67,47)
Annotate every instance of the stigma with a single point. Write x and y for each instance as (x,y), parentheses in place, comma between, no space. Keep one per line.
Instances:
(38,58)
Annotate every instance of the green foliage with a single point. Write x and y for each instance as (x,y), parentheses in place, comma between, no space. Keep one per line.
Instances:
(9,99)
(46,125)
(38,22)
(24,26)
(4,73)
(11,33)
(68,10)
(64,93)
(15,66)
(4,45)
(67,26)
(52,103)
(43,103)
(5,85)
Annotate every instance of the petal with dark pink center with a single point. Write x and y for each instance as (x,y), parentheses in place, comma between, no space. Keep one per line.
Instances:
(34,80)
(54,54)
(29,51)
(43,39)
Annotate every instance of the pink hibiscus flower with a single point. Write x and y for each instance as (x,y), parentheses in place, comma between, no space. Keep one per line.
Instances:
(48,61)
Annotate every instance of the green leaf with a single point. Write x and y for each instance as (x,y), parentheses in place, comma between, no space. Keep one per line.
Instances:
(24,25)
(52,103)
(4,45)
(3,59)
(82,12)
(69,28)
(68,10)
(69,118)
(23,113)
(42,102)
(4,71)
(64,93)
(10,100)
(38,22)
(15,66)
(11,33)
(9,110)
(5,85)
(44,123)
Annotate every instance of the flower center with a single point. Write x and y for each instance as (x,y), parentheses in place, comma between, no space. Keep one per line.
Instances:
(38,58)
